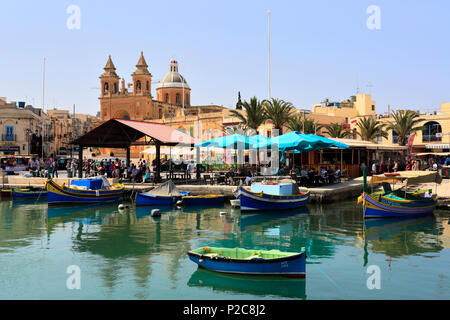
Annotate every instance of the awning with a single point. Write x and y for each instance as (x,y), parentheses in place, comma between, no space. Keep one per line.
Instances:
(431,154)
(120,133)
(353,143)
(438,146)
(413,177)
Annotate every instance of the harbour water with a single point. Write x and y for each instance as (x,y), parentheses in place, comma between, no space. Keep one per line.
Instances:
(130,255)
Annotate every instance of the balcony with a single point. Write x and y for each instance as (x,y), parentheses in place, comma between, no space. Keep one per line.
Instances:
(9,137)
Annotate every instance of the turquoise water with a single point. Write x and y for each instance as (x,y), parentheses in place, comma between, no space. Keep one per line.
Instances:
(130,255)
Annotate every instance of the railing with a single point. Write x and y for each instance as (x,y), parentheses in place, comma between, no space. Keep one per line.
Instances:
(430,138)
(9,137)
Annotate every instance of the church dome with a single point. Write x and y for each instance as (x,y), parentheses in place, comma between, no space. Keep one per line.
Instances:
(173,78)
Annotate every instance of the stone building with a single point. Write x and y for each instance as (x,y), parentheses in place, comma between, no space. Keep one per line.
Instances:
(22,129)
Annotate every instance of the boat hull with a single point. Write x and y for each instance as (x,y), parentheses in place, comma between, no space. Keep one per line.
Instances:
(292,266)
(18,195)
(385,207)
(58,194)
(252,201)
(143,199)
(203,200)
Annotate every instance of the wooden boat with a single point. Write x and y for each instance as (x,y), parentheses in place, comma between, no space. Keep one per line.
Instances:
(271,196)
(165,194)
(209,199)
(400,202)
(251,262)
(5,194)
(19,194)
(61,194)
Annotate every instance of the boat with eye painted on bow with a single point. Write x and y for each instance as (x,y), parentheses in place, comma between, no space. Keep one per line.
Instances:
(271,195)
(251,262)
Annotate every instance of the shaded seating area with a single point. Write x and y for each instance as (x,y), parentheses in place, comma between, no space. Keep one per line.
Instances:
(121,133)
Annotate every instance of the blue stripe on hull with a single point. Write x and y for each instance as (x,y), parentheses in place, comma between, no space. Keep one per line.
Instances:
(248,203)
(295,267)
(374,213)
(60,198)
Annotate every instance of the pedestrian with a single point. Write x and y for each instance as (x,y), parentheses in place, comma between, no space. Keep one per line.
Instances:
(54,168)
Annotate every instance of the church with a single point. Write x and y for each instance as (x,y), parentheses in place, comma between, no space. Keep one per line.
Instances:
(172,105)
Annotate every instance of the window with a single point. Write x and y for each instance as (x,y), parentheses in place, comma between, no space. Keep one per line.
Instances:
(191,131)
(147,86)
(394,137)
(9,133)
(373,107)
(177,98)
(115,88)
(430,131)
(160,113)
(138,85)
(166,98)
(105,87)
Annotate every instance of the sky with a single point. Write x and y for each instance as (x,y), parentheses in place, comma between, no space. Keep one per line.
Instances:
(319,49)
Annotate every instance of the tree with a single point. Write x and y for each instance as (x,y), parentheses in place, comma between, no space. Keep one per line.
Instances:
(370,129)
(336,130)
(278,112)
(254,115)
(405,123)
(304,125)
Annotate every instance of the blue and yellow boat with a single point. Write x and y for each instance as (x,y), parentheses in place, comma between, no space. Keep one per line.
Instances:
(400,202)
(271,196)
(76,194)
(251,262)
(209,199)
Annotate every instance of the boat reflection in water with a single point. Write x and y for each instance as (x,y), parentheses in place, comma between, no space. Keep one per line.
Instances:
(397,237)
(239,284)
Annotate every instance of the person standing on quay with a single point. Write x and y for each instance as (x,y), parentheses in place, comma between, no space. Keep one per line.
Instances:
(54,166)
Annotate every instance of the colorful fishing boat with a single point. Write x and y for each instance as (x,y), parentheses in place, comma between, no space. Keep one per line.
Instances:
(199,200)
(272,195)
(401,202)
(251,262)
(83,191)
(22,194)
(165,194)
(5,194)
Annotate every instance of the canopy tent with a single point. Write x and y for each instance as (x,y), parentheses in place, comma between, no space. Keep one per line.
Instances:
(232,141)
(413,177)
(120,133)
(295,140)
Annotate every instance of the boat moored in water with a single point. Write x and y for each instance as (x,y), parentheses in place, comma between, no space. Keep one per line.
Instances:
(84,191)
(251,262)
(165,194)
(209,199)
(19,194)
(400,202)
(272,195)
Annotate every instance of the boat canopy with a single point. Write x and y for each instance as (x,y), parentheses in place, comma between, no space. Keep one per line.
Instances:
(413,177)
(166,189)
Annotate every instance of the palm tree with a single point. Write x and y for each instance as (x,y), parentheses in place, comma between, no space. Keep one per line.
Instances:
(298,123)
(405,123)
(370,129)
(336,130)
(254,115)
(278,112)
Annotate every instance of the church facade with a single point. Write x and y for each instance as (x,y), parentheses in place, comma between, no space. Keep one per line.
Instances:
(172,105)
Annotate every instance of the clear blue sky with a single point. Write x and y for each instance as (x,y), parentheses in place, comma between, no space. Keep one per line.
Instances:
(319,49)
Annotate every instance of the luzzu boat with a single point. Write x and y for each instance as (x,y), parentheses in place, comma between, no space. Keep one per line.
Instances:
(400,202)
(251,262)
(165,194)
(19,194)
(272,195)
(209,199)
(84,191)
(5,194)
